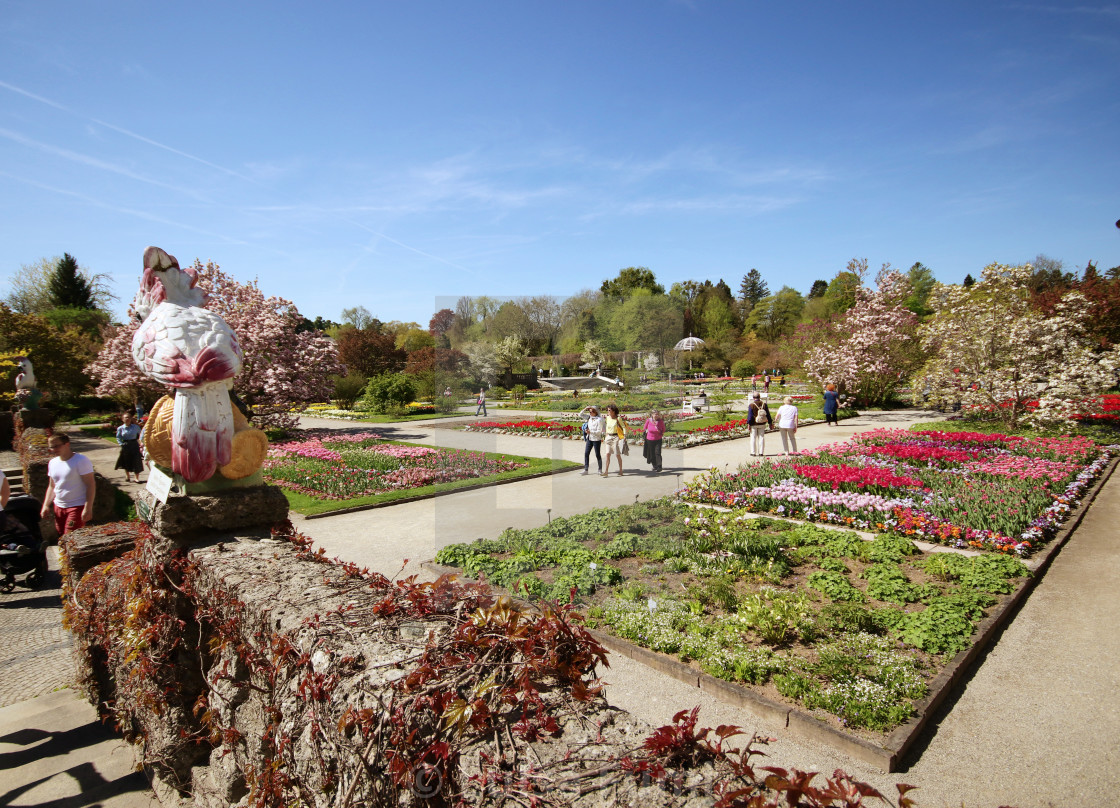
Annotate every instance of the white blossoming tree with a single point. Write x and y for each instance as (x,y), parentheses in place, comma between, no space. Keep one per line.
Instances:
(990,351)
(871,347)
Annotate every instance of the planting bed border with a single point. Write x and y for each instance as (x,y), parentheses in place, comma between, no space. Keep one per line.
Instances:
(889,754)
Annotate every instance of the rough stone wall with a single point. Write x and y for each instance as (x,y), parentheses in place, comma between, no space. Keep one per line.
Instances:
(252,672)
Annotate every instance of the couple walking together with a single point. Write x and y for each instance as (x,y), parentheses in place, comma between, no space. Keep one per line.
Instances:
(759,419)
(609,428)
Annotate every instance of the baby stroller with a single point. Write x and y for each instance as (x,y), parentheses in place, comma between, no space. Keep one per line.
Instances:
(22,549)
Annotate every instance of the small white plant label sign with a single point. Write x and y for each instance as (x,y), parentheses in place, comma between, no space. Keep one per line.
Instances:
(159,484)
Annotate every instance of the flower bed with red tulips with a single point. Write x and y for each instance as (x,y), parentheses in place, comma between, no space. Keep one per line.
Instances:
(964,489)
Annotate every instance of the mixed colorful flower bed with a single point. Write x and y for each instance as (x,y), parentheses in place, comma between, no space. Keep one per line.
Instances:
(963,489)
(531,426)
(337,467)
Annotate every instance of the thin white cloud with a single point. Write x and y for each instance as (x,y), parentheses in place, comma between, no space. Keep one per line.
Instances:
(140,214)
(92,162)
(126,132)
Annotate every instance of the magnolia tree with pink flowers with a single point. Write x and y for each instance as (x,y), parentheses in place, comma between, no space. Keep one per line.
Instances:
(869,349)
(283,369)
(993,353)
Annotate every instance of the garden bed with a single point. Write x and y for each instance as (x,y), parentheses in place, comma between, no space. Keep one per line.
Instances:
(850,642)
(327,472)
(963,489)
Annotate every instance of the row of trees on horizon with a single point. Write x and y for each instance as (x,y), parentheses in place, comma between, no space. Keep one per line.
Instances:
(57,313)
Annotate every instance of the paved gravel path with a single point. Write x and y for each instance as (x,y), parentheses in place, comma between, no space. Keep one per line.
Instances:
(35,656)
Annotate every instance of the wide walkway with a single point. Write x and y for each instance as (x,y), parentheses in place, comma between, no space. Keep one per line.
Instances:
(383,538)
(1038,725)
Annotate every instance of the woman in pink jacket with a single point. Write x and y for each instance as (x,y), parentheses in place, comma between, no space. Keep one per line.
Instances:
(655,433)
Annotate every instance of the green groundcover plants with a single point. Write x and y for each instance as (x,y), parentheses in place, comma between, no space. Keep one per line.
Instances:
(323,471)
(809,614)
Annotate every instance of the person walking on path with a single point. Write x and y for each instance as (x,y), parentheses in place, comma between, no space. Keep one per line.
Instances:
(71,489)
(831,405)
(655,435)
(128,437)
(481,402)
(616,437)
(596,428)
(758,419)
(787,425)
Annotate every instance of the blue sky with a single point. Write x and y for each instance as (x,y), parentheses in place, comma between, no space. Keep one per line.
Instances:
(398,155)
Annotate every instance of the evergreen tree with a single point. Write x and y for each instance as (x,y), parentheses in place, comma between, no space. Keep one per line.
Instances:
(921,285)
(753,288)
(968,281)
(68,287)
(818,289)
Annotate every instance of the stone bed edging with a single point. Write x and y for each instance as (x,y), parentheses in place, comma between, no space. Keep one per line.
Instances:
(889,754)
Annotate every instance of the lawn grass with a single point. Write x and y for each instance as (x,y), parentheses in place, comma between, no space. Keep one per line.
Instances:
(310,506)
(98,431)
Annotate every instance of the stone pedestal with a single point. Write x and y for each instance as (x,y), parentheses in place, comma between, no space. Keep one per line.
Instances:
(41,418)
(190,517)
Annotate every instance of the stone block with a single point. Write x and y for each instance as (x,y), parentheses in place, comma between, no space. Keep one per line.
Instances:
(184,518)
(86,548)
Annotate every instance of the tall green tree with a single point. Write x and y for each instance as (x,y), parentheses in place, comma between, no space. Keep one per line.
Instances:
(753,288)
(69,287)
(628,280)
(776,316)
(716,310)
(818,289)
(30,291)
(647,323)
(921,284)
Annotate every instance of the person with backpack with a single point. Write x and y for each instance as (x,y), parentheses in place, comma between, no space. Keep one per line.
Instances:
(758,419)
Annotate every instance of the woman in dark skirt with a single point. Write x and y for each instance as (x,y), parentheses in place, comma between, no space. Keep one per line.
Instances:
(128,436)
(831,405)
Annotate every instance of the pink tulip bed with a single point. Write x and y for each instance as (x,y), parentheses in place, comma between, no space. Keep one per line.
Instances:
(335,466)
(961,489)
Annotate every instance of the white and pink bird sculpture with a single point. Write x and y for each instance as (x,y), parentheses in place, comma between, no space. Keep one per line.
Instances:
(184,345)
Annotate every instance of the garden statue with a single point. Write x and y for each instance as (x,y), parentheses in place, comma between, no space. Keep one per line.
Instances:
(182,344)
(26,391)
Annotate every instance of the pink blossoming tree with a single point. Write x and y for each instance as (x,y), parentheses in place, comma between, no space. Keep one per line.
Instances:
(284,369)
(871,347)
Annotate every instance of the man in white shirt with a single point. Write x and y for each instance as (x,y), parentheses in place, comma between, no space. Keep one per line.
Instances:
(71,489)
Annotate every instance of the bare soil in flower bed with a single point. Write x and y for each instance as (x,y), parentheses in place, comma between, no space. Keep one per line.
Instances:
(849,630)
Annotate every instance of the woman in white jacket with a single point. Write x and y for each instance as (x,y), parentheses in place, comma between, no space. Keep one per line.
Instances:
(787,425)
(594,431)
